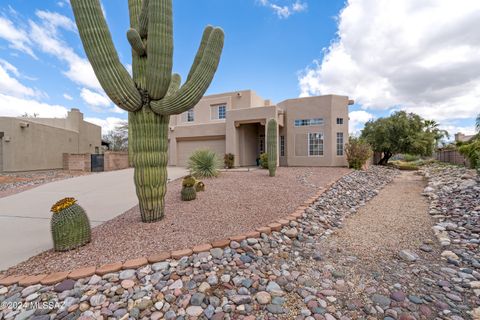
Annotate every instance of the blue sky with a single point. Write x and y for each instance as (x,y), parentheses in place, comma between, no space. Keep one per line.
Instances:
(279,48)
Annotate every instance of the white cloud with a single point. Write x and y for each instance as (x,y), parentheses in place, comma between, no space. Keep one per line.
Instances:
(421,56)
(67,96)
(284,11)
(15,107)
(116,109)
(54,20)
(45,36)
(63,3)
(11,86)
(17,38)
(107,124)
(357,120)
(95,99)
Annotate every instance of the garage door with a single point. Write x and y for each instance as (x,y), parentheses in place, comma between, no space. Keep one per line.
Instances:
(186,147)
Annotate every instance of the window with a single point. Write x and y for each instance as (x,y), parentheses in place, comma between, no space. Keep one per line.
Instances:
(218,112)
(315,144)
(308,122)
(339,143)
(190,115)
(282,146)
(339,120)
(221,112)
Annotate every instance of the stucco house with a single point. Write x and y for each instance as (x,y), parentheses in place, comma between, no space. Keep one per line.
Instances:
(39,143)
(312,131)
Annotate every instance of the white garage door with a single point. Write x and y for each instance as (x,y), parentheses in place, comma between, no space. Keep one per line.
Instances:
(186,147)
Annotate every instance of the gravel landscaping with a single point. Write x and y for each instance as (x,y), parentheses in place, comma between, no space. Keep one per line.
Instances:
(234,203)
(313,269)
(11,183)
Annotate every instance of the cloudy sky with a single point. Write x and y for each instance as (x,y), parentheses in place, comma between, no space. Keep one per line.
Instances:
(418,55)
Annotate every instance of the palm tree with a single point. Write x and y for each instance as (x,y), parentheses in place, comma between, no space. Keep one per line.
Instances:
(438,134)
(477,123)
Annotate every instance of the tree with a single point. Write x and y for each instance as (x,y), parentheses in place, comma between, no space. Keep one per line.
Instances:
(154,93)
(438,134)
(118,137)
(477,123)
(402,132)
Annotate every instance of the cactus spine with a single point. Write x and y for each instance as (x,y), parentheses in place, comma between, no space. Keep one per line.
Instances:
(154,93)
(272,147)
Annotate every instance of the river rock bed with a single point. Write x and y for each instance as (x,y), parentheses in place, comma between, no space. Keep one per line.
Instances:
(284,275)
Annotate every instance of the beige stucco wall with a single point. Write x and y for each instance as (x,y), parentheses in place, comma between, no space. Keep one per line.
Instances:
(329,108)
(41,146)
(246,113)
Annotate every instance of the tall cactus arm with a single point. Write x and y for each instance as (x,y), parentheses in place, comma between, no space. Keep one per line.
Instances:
(160,48)
(174,84)
(143,20)
(139,63)
(134,8)
(136,42)
(192,91)
(101,53)
(206,35)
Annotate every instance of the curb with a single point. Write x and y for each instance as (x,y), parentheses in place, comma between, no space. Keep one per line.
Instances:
(84,272)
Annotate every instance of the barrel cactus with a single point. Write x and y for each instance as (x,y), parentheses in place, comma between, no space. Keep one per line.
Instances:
(69,225)
(199,186)
(272,146)
(188,181)
(153,93)
(188,193)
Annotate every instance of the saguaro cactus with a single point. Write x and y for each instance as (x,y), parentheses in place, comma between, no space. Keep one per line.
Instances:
(154,93)
(272,147)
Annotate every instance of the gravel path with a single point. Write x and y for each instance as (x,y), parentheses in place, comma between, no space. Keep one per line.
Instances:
(396,219)
(234,203)
(15,182)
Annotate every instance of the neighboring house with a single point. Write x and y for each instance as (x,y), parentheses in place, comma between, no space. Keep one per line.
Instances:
(39,143)
(311,131)
(460,137)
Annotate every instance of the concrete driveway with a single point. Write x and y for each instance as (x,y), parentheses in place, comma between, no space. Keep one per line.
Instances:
(25,216)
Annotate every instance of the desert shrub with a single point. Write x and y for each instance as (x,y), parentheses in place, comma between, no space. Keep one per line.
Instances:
(410,158)
(403,165)
(264,160)
(229,160)
(357,152)
(204,163)
(471,150)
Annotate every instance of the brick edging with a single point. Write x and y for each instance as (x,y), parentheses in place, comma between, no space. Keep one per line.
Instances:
(84,272)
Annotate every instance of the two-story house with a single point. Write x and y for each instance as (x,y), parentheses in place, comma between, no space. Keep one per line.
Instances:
(311,131)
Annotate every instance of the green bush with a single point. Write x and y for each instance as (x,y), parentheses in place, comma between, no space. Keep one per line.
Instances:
(410,158)
(204,163)
(471,150)
(403,165)
(229,160)
(357,152)
(264,160)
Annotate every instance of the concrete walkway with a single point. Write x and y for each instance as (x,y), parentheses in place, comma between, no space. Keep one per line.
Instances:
(25,216)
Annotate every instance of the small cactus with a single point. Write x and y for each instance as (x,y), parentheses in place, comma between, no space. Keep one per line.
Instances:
(188,193)
(70,226)
(199,186)
(188,181)
(272,147)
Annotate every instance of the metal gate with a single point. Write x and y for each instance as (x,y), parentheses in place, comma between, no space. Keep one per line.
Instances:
(97,161)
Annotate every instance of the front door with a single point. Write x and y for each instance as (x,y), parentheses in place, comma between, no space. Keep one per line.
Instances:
(261,144)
